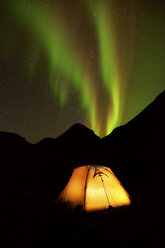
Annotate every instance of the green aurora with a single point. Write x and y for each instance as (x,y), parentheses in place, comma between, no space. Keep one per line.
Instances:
(125,69)
(108,64)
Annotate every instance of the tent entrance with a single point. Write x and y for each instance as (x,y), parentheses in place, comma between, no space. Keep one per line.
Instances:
(104,189)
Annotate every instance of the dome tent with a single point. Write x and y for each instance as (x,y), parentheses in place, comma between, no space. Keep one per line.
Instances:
(93,188)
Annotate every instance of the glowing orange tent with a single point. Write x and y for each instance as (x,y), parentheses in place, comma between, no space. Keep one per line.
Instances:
(93,188)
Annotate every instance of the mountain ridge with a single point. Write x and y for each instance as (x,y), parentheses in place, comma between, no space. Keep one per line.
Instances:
(142,135)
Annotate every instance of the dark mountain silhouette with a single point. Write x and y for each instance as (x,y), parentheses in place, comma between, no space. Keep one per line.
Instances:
(76,137)
(76,134)
(142,136)
(11,141)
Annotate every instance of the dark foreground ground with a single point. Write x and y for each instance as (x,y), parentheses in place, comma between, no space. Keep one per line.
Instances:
(34,221)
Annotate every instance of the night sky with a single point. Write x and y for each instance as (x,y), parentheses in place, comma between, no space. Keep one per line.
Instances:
(66,61)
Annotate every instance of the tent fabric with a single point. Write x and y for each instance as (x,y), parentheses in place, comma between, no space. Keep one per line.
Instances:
(93,188)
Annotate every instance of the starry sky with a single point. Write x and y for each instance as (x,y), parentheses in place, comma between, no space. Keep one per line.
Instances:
(96,62)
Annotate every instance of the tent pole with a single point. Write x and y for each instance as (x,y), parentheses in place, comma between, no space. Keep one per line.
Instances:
(105,190)
(85,188)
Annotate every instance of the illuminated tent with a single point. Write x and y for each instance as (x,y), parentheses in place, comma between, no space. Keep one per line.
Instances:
(93,188)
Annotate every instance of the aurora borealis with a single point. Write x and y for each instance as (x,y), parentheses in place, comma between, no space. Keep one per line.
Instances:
(95,62)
